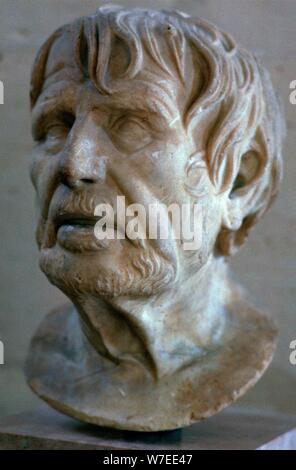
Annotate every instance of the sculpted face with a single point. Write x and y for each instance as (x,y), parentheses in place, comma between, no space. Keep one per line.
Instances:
(92,147)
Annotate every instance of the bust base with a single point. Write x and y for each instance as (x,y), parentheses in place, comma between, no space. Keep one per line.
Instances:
(234,428)
(67,372)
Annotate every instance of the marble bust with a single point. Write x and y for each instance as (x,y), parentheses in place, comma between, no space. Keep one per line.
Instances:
(160,108)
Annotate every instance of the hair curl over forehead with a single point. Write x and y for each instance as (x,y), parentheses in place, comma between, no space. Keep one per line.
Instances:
(233,87)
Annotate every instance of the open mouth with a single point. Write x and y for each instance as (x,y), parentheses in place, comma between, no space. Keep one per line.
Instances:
(77,232)
(77,222)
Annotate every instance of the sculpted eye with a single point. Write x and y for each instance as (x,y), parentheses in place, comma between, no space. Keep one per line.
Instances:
(54,132)
(131,133)
(130,125)
(60,127)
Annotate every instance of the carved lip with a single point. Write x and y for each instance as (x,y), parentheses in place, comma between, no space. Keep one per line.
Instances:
(75,231)
(83,221)
(77,220)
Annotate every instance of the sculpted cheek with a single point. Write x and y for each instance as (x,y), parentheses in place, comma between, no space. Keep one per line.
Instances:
(36,166)
(162,165)
(44,175)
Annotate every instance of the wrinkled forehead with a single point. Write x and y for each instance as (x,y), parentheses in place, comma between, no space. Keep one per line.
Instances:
(61,64)
(62,69)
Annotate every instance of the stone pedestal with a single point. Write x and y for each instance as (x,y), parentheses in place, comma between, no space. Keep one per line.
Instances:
(232,429)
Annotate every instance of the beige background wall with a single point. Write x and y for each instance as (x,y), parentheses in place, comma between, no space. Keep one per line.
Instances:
(266,265)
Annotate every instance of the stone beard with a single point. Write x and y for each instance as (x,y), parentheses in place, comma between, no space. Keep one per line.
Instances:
(162,109)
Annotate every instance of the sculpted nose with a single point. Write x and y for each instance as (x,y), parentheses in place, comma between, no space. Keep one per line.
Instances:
(83,162)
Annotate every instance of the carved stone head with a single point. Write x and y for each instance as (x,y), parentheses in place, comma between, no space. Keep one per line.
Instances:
(161,109)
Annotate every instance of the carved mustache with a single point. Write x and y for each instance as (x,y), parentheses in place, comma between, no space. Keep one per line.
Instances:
(79,204)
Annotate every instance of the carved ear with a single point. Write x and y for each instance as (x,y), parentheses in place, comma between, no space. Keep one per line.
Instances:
(243,202)
(248,171)
(237,203)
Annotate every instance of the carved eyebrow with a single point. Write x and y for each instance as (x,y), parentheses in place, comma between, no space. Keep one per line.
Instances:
(58,97)
(153,105)
(150,109)
(60,90)
(51,104)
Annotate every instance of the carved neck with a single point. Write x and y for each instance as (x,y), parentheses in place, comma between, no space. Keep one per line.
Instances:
(163,334)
